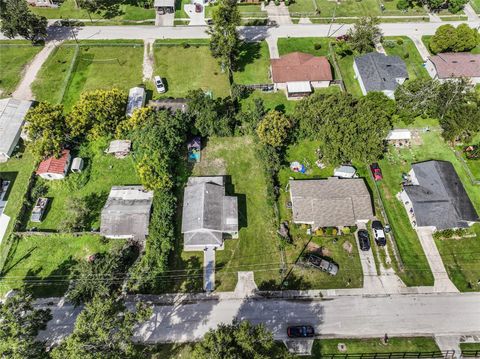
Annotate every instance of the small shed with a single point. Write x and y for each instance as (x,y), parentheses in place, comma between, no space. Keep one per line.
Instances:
(345,172)
(399,137)
(120,148)
(298,89)
(77,165)
(54,168)
(39,209)
(136,99)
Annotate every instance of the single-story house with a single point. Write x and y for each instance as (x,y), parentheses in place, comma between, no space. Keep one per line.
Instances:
(164,6)
(449,66)
(54,168)
(331,202)
(344,172)
(379,72)
(136,99)
(126,213)
(209,216)
(399,137)
(298,73)
(171,104)
(12,118)
(120,148)
(435,197)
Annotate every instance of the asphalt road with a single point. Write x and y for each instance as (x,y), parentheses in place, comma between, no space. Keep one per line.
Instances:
(346,316)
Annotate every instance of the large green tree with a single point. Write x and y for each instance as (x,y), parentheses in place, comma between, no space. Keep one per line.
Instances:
(364,34)
(417,98)
(225,43)
(17,20)
(239,341)
(103,329)
(47,129)
(19,326)
(447,38)
(274,129)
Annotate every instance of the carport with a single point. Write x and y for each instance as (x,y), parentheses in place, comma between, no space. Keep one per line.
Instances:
(164,6)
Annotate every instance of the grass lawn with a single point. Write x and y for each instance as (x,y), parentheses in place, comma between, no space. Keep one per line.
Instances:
(426,41)
(100,174)
(271,100)
(413,60)
(189,68)
(14,56)
(348,75)
(256,249)
(469,346)
(460,257)
(304,44)
(368,346)
(476,5)
(47,260)
(18,171)
(254,64)
(68,10)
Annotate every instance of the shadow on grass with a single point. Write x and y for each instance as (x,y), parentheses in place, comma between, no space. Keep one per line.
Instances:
(249,52)
(241,201)
(95,203)
(8,176)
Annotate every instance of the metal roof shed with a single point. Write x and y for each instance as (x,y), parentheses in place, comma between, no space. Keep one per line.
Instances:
(136,99)
(12,118)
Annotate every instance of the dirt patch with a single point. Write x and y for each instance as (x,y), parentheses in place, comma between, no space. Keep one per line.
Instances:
(210,166)
(347,246)
(319,250)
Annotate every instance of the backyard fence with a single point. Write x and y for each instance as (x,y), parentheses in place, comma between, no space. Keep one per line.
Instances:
(470,175)
(470,353)
(434,354)
(262,87)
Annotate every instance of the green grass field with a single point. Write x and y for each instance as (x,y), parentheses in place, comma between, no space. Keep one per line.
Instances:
(189,68)
(254,64)
(476,5)
(46,261)
(271,100)
(409,53)
(469,346)
(369,346)
(14,56)
(348,75)
(101,173)
(304,44)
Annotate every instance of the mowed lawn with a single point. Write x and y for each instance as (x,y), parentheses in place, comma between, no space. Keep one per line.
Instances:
(254,64)
(101,172)
(403,47)
(43,263)
(271,100)
(14,56)
(189,67)
(304,44)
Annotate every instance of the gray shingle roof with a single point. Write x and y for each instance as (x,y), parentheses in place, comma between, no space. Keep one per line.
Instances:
(331,202)
(126,212)
(439,199)
(378,71)
(207,212)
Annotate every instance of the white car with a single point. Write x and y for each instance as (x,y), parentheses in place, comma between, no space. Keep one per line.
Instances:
(159,84)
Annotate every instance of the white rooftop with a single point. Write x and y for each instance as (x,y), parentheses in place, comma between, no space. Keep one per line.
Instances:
(12,115)
(136,99)
(399,134)
(299,87)
(134,193)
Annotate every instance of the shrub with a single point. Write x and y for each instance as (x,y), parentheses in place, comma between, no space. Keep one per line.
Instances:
(346,230)
(319,232)
(403,5)
(460,232)
(277,2)
(287,2)
(400,42)
(329,231)
(437,235)
(317,46)
(406,55)
(185,45)
(389,44)
(334,231)
(448,233)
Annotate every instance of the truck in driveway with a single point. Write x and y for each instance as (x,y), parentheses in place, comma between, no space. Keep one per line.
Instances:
(322,264)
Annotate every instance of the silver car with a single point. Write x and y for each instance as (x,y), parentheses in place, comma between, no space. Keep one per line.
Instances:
(159,84)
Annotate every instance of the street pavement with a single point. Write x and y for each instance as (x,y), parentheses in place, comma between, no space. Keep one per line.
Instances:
(343,316)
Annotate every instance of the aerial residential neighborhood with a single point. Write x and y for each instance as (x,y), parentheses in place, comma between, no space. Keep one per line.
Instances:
(230,179)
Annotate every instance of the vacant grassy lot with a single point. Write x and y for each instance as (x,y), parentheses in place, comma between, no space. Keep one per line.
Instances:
(14,56)
(460,257)
(68,10)
(403,47)
(43,263)
(364,346)
(271,100)
(93,184)
(189,67)
(304,44)
(254,64)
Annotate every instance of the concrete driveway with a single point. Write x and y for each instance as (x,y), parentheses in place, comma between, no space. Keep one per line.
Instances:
(165,19)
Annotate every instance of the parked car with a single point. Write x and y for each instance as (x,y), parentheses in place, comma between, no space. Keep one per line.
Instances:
(379,233)
(376,171)
(322,264)
(300,331)
(364,239)
(159,84)
(198,7)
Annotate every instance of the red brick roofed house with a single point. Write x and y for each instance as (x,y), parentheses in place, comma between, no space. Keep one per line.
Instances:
(451,65)
(298,73)
(55,168)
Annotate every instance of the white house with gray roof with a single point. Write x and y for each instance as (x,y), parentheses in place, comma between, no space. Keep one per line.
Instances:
(12,118)
(331,202)
(379,72)
(209,216)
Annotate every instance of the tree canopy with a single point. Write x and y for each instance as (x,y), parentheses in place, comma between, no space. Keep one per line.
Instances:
(364,34)
(447,38)
(17,20)
(274,129)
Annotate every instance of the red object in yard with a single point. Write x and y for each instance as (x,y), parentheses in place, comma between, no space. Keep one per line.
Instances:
(376,171)
(54,165)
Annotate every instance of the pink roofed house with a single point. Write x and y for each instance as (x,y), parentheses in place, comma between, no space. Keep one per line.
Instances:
(54,168)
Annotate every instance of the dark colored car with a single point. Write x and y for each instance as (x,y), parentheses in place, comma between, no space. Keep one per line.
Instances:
(322,264)
(364,239)
(379,233)
(300,331)
(376,171)
(198,7)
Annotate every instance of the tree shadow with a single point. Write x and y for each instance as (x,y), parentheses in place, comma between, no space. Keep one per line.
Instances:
(8,267)
(8,176)
(249,52)
(241,202)
(95,202)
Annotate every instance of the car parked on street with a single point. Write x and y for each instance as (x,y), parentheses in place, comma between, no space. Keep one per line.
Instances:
(376,171)
(378,233)
(323,264)
(159,84)
(364,239)
(300,331)
(198,7)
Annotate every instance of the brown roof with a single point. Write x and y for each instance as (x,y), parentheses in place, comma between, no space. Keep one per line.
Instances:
(298,66)
(54,165)
(462,64)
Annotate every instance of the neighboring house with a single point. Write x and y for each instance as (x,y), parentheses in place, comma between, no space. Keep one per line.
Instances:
(209,216)
(400,137)
(41,3)
(298,73)
(119,148)
(12,118)
(379,72)
(54,168)
(448,66)
(344,172)
(164,6)
(435,197)
(171,104)
(331,202)
(136,99)
(126,213)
